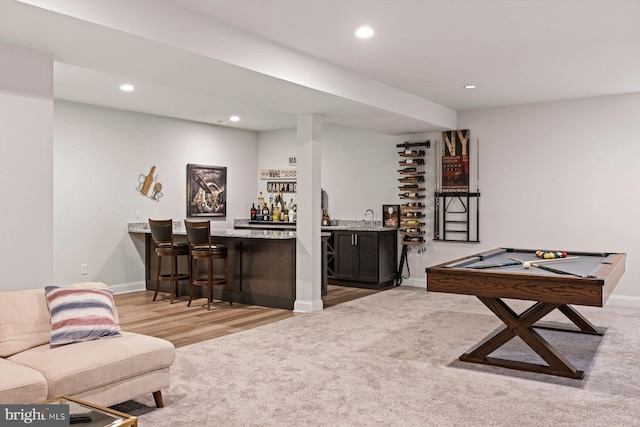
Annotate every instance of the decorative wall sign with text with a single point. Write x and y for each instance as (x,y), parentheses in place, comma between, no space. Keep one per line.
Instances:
(282,186)
(455,160)
(278,174)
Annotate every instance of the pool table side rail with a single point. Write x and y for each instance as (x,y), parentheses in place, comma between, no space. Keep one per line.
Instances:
(553,289)
(612,270)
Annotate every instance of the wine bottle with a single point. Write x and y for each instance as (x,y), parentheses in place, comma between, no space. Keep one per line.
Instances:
(412,161)
(414,152)
(254,212)
(407,170)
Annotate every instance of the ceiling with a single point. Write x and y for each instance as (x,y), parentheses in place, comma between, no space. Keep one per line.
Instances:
(270,60)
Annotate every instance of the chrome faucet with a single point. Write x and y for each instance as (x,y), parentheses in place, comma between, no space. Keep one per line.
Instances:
(372,216)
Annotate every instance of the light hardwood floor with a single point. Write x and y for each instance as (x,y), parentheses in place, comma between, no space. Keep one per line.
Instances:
(184,325)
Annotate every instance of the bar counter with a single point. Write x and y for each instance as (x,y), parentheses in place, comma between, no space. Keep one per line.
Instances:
(262,264)
(179,230)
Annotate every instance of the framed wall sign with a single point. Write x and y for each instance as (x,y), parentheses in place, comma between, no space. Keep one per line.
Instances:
(277,174)
(390,215)
(455,161)
(206,191)
(282,186)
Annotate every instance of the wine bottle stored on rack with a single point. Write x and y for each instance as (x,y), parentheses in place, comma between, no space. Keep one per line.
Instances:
(411,161)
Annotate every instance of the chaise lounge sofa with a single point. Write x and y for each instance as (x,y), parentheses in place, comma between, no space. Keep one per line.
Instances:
(106,371)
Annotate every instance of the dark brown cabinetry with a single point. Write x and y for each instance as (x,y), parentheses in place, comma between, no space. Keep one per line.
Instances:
(367,257)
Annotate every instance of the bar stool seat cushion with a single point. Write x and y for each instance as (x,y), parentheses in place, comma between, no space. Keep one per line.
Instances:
(175,246)
(204,248)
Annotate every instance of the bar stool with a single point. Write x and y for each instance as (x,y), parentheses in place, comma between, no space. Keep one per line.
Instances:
(201,248)
(162,236)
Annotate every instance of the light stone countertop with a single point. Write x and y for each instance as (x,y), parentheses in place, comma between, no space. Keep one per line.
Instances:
(178,228)
(346,225)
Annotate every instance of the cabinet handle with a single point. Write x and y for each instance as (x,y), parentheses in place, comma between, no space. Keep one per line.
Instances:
(351,239)
(356,240)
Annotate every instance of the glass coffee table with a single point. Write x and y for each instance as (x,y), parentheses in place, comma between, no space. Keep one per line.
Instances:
(91,414)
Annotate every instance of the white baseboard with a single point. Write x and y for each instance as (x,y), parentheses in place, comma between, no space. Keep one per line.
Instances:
(300,306)
(124,288)
(617,300)
(416,283)
(624,301)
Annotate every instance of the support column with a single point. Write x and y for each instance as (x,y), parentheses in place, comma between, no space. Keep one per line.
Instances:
(26,168)
(308,244)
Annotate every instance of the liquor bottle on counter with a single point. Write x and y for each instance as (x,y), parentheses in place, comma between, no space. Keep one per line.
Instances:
(325,218)
(265,213)
(260,200)
(254,212)
(292,213)
(276,212)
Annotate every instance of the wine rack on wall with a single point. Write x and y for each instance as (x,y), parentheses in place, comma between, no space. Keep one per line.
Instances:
(411,183)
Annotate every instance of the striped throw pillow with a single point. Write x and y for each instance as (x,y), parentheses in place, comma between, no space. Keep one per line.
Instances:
(80,314)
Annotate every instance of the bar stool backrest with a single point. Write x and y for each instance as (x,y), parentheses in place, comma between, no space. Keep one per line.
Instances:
(161,232)
(199,235)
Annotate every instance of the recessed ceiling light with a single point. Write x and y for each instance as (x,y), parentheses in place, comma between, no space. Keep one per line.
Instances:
(126,87)
(234,118)
(470,86)
(364,32)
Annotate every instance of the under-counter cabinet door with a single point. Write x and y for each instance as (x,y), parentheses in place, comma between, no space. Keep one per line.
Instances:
(356,256)
(345,257)
(366,246)
(367,257)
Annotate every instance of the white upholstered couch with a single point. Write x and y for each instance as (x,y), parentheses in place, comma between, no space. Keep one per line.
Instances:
(103,371)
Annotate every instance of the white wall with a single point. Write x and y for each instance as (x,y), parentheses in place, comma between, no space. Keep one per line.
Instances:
(99,154)
(559,176)
(359,172)
(26,168)
(356,166)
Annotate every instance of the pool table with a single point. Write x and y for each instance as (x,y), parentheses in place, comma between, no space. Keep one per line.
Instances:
(583,278)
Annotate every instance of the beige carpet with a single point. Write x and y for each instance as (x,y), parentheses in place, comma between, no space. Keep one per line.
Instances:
(390,359)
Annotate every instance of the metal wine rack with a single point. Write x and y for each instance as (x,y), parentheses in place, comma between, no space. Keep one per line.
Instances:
(412,191)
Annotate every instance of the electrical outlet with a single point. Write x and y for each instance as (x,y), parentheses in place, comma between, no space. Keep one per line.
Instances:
(84,269)
(137,213)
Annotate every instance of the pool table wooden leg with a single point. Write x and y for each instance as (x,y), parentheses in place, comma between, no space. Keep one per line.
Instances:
(584,326)
(522,326)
